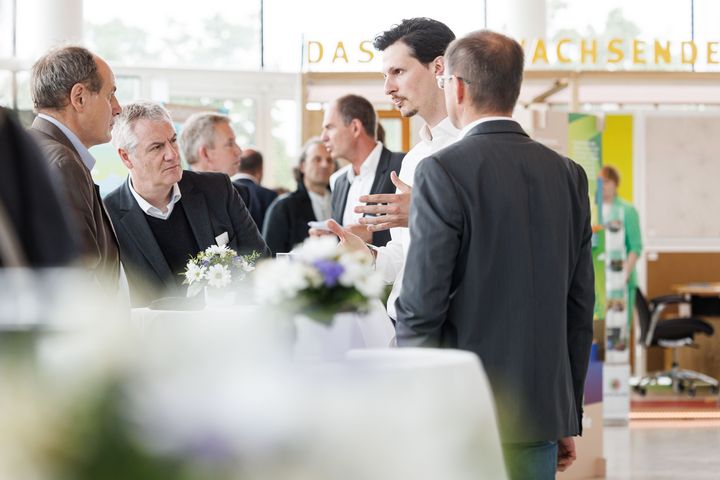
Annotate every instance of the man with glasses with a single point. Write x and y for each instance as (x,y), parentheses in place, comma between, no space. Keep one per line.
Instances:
(412,58)
(500,258)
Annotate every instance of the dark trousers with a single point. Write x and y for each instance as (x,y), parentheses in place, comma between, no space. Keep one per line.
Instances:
(531,461)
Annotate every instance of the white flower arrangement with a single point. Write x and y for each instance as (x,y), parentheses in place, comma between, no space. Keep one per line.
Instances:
(320,280)
(217,267)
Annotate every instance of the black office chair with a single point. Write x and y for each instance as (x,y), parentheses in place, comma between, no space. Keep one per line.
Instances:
(671,333)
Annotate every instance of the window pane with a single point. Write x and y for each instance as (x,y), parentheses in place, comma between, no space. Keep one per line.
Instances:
(645,20)
(6,28)
(217,34)
(5,89)
(281,160)
(242,113)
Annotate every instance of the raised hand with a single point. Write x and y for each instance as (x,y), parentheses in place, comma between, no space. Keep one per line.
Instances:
(392,209)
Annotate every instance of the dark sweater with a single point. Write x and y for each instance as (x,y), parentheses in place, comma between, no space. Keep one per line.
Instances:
(175,239)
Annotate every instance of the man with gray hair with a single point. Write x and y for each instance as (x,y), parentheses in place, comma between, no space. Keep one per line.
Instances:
(164,215)
(73,92)
(208,144)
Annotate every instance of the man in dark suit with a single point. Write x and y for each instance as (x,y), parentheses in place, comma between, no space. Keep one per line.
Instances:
(208,144)
(73,92)
(164,215)
(349,132)
(286,222)
(33,213)
(250,175)
(500,258)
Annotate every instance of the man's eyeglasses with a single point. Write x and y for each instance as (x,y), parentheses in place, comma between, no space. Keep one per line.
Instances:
(443,79)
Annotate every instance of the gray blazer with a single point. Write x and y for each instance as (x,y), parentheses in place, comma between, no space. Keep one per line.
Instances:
(212,206)
(500,264)
(389,161)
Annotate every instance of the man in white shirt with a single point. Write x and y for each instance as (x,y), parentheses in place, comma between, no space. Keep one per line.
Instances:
(349,132)
(412,58)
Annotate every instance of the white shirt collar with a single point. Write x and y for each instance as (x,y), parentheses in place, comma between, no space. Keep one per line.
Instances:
(369,166)
(443,129)
(477,122)
(81,149)
(151,210)
(238,176)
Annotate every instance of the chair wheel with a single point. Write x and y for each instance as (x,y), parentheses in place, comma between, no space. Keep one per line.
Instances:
(691,392)
(680,386)
(714,389)
(641,390)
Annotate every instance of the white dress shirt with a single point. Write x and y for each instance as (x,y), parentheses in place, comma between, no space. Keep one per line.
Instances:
(81,149)
(360,184)
(153,211)
(390,260)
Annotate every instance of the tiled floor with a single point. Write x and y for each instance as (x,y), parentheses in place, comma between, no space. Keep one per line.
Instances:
(663,450)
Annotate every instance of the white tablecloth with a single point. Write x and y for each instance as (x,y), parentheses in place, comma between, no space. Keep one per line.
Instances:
(312,341)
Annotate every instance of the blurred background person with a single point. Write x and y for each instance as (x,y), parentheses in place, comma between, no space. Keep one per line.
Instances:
(286,222)
(349,132)
(250,175)
(631,222)
(208,144)
(35,223)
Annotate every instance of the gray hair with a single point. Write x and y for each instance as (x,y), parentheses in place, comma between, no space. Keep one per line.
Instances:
(123,132)
(199,131)
(55,73)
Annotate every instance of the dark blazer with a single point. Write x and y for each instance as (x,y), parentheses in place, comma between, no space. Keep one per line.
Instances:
(389,161)
(500,264)
(286,222)
(260,199)
(244,193)
(38,214)
(99,246)
(212,208)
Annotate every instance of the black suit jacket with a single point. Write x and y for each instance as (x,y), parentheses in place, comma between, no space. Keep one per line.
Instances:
(389,161)
(260,200)
(244,193)
(212,208)
(286,222)
(500,264)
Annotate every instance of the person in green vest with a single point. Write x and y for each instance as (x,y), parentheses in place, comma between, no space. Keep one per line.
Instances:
(633,238)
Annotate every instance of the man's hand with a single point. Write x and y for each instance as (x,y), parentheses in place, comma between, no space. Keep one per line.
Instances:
(394,212)
(361,231)
(566,453)
(348,239)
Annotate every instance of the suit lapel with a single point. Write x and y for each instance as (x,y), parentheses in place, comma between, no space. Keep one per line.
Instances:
(134,222)
(197,214)
(339,198)
(381,171)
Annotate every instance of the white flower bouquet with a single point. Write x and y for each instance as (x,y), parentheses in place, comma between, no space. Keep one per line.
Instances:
(320,279)
(217,267)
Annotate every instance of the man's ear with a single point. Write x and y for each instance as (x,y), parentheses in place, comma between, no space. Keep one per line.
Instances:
(356,127)
(439,65)
(125,158)
(78,94)
(460,92)
(203,153)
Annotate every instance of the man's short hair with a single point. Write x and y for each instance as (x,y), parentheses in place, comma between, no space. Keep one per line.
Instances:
(55,73)
(610,173)
(123,132)
(199,131)
(251,161)
(492,65)
(426,38)
(351,107)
